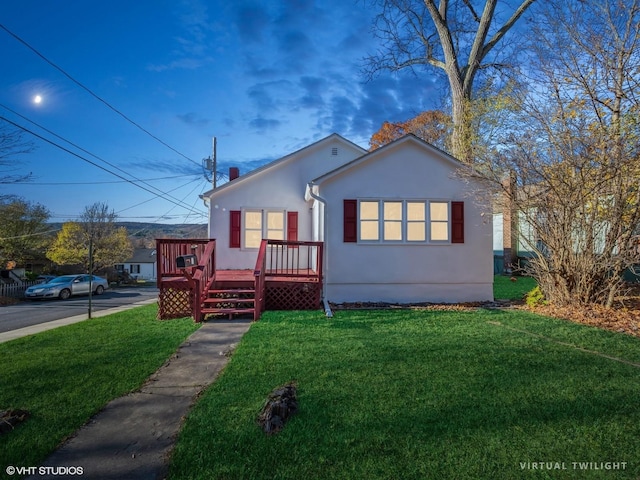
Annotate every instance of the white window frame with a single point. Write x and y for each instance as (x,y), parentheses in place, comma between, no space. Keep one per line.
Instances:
(264,227)
(427,222)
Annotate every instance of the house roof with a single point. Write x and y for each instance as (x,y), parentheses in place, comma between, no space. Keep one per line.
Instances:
(409,138)
(287,158)
(142,255)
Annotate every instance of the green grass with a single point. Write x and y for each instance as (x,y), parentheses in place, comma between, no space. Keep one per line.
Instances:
(419,395)
(506,289)
(66,375)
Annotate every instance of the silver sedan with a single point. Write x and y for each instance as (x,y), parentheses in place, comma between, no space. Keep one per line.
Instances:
(67,285)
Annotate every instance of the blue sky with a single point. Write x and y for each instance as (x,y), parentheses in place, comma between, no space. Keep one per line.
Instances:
(265,77)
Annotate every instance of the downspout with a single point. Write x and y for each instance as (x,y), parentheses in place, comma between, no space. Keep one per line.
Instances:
(207,203)
(325,302)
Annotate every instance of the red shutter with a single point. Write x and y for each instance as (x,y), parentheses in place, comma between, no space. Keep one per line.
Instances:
(350,221)
(457,222)
(234,228)
(292,226)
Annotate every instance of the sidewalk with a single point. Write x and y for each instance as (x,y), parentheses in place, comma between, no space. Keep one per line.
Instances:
(132,437)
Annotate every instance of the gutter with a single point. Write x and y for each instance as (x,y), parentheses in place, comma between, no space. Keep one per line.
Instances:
(325,302)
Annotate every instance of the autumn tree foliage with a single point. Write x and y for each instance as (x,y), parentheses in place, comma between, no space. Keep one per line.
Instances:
(433,126)
(23,231)
(573,152)
(462,39)
(97,229)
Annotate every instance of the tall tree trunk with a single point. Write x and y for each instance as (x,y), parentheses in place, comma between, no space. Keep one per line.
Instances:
(461,147)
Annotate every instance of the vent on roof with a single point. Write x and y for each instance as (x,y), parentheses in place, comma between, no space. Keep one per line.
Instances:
(334,152)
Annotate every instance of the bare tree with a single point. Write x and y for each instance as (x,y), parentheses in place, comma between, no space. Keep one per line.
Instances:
(12,144)
(575,160)
(453,36)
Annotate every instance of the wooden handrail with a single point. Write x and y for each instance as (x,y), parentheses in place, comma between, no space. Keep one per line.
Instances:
(205,274)
(259,274)
(199,276)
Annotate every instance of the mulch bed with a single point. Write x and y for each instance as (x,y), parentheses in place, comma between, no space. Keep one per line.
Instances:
(616,319)
(624,317)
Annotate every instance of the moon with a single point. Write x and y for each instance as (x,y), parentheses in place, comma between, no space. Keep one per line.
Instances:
(37,99)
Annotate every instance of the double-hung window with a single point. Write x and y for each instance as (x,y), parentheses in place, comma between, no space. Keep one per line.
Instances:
(248,227)
(259,224)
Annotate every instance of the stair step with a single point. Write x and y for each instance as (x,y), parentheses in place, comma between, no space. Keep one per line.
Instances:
(214,300)
(231,291)
(227,311)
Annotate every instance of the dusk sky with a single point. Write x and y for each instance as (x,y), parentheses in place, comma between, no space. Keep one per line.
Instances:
(266,78)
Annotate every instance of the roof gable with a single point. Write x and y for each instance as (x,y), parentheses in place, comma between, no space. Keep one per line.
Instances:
(386,149)
(142,255)
(292,157)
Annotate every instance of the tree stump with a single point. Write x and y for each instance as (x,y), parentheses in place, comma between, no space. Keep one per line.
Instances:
(279,407)
(10,419)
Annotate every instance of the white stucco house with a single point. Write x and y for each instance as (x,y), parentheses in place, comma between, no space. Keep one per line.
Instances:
(398,224)
(141,266)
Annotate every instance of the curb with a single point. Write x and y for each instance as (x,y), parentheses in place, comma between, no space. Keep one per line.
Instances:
(43,327)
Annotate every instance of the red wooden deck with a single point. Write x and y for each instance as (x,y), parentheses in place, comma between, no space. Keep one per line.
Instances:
(305,275)
(287,276)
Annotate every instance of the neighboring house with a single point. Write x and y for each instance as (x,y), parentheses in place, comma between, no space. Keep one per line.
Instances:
(397,223)
(514,237)
(511,245)
(141,266)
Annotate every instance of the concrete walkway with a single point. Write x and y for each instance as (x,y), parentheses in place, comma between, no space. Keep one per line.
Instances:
(132,437)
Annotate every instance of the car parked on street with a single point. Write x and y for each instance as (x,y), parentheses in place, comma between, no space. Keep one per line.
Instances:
(65,286)
(45,278)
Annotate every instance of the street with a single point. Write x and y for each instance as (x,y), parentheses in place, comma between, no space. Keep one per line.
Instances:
(28,313)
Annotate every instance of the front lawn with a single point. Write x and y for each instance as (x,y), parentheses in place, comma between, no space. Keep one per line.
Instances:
(417,394)
(512,288)
(66,375)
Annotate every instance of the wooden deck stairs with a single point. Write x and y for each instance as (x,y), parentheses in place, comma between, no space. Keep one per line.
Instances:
(230,297)
(287,276)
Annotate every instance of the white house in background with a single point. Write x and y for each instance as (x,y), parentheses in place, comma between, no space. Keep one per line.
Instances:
(141,266)
(397,223)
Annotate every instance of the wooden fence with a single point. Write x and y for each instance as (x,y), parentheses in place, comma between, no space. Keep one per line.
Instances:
(14,290)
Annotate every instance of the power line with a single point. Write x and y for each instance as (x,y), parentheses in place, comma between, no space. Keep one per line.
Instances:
(150,199)
(97,97)
(85,151)
(27,183)
(28,235)
(51,142)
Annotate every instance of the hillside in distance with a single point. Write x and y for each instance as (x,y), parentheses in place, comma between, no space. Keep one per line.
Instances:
(164,230)
(144,234)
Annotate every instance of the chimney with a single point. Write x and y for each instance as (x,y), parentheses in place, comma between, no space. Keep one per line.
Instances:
(234,172)
(509,223)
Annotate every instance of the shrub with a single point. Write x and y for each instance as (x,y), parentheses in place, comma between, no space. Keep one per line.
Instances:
(535,298)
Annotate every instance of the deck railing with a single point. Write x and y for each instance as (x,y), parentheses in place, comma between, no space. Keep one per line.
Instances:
(294,259)
(169,249)
(286,265)
(199,276)
(259,274)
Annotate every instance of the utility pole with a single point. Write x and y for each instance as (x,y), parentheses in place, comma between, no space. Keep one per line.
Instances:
(90,271)
(210,164)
